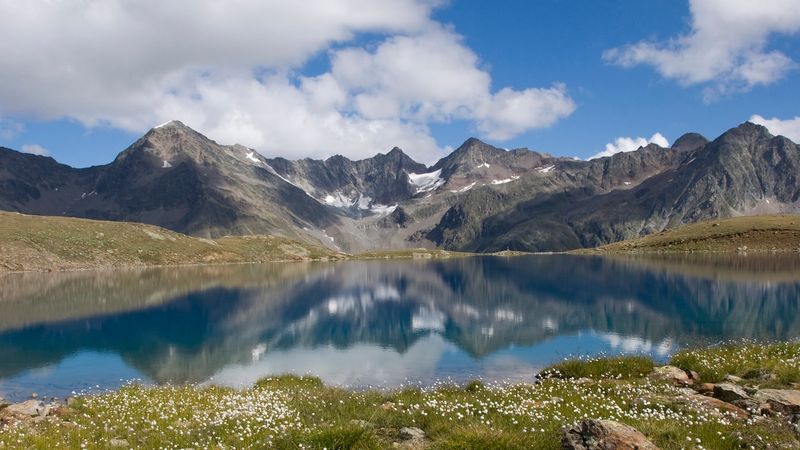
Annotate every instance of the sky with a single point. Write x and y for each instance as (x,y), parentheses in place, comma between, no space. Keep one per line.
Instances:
(83,79)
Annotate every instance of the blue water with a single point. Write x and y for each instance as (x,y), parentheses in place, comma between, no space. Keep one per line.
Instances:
(372,323)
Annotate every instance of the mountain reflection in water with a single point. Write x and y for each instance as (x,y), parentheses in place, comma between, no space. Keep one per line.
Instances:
(363,323)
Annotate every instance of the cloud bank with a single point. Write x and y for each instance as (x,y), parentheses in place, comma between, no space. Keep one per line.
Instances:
(629,144)
(726,47)
(237,71)
(789,127)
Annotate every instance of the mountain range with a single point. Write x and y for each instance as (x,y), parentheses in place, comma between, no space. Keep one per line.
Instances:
(478,198)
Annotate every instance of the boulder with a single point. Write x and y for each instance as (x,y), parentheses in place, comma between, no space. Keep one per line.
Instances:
(29,408)
(732,379)
(784,401)
(728,392)
(710,402)
(411,433)
(593,434)
(672,374)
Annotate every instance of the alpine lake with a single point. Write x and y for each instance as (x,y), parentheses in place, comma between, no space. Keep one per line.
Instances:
(377,323)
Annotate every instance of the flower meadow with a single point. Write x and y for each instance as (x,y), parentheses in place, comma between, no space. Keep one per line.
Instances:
(301,412)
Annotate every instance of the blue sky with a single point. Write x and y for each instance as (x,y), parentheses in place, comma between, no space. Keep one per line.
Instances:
(377,77)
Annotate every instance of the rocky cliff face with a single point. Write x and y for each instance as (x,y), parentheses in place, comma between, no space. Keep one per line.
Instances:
(478,198)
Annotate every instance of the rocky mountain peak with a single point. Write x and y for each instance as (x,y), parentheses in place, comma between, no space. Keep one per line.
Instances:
(689,142)
(474,146)
(172,142)
(746,132)
(471,153)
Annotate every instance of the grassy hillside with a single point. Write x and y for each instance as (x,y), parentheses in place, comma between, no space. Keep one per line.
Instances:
(753,233)
(42,243)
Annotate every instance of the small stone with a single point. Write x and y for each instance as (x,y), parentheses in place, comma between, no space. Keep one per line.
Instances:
(732,379)
(593,434)
(411,433)
(119,443)
(728,392)
(34,395)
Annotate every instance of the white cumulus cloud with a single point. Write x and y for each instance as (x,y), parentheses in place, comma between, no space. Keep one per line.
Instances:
(35,149)
(726,47)
(234,71)
(629,144)
(788,127)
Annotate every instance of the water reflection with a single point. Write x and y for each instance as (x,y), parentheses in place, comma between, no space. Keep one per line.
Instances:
(359,323)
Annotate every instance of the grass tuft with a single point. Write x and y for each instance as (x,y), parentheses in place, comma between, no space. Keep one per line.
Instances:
(621,368)
(748,360)
(289,381)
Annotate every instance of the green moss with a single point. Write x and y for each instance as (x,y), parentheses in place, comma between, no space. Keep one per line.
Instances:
(623,367)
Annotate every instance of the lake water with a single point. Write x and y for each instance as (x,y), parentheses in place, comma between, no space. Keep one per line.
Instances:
(378,323)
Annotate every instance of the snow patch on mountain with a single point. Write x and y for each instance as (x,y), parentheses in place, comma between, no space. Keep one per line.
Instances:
(252,157)
(465,188)
(506,180)
(547,169)
(363,201)
(163,124)
(426,182)
(483,165)
(339,200)
(383,210)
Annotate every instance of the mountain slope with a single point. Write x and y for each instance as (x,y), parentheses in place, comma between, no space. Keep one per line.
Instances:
(743,234)
(745,171)
(37,243)
(478,198)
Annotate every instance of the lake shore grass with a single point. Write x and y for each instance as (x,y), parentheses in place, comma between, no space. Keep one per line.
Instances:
(766,233)
(301,412)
